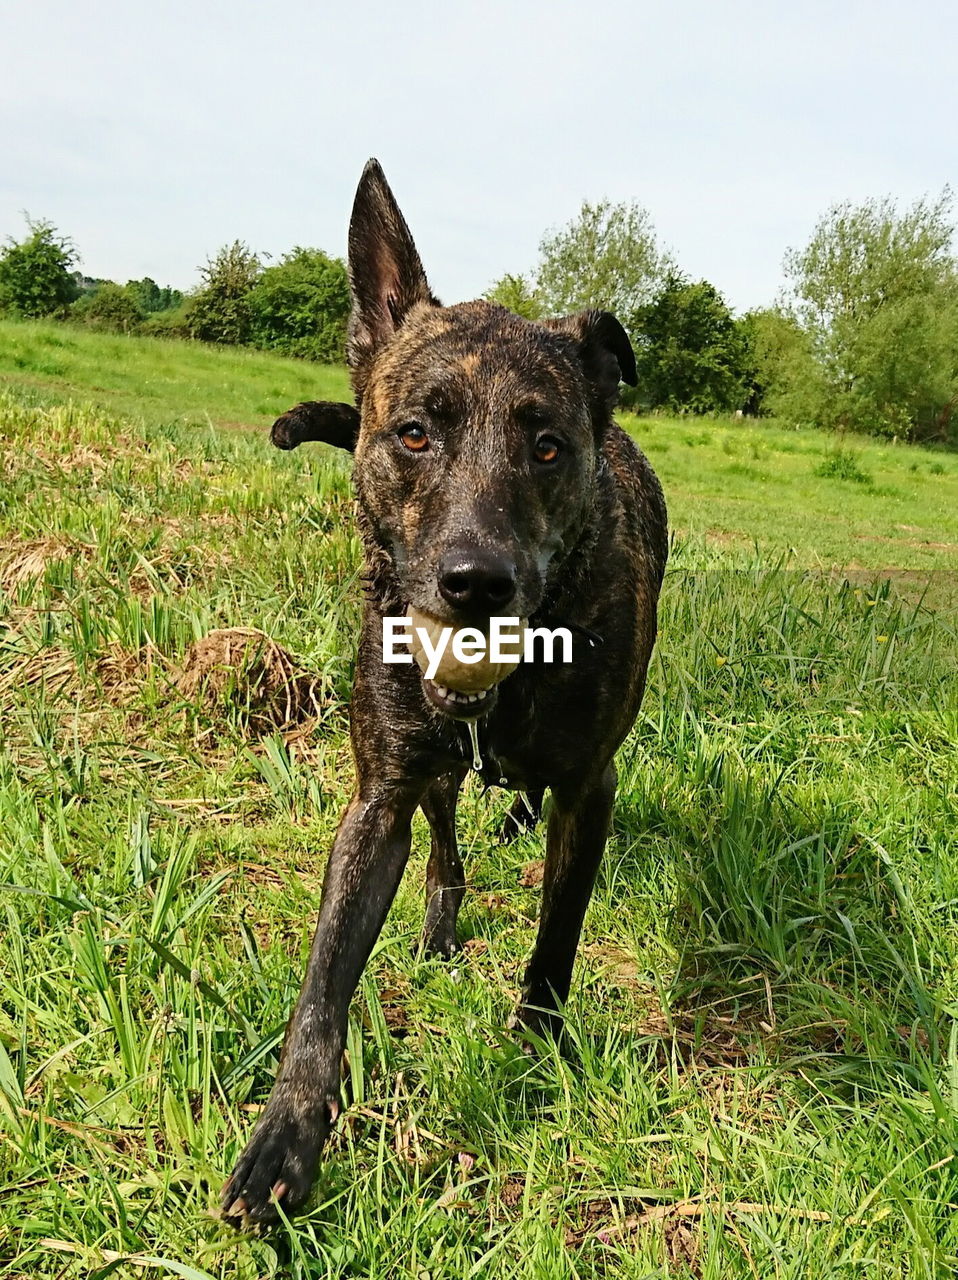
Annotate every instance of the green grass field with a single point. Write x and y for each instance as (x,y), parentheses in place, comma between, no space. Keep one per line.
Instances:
(736,487)
(765,1014)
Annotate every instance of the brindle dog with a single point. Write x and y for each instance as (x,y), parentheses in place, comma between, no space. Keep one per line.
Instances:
(490,480)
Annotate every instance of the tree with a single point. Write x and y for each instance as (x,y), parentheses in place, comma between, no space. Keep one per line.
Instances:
(782,376)
(518,295)
(876,291)
(151,298)
(110,307)
(691,352)
(301,305)
(607,257)
(35,273)
(220,310)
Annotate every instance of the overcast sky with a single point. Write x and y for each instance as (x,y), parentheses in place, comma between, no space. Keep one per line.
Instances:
(153,134)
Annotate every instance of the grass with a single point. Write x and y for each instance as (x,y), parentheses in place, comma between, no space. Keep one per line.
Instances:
(753,487)
(765,1076)
(160,381)
(737,488)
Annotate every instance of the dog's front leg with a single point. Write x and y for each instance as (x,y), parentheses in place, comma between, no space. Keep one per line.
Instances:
(578,827)
(364,870)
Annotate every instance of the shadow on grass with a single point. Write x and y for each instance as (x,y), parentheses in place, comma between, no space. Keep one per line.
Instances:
(797,939)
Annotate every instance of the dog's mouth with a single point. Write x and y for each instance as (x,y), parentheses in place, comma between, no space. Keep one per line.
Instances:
(460,706)
(460,667)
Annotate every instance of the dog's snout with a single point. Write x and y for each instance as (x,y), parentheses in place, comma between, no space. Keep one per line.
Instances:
(477,579)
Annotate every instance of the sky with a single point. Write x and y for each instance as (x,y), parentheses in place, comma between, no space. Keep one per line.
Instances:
(152,134)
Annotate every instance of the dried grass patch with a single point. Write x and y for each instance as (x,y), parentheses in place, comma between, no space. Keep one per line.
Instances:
(116,672)
(21,561)
(96,459)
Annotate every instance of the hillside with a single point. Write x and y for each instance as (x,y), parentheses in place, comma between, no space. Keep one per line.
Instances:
(734,486)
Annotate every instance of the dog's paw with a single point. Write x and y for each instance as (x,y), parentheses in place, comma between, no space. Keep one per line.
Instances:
(439,936)
(278,1166)
(441,947)
(536,1025)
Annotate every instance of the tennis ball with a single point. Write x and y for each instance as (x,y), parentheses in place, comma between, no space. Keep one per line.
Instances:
(463,677)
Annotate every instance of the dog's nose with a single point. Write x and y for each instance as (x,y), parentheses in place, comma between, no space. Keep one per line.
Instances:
(477,579)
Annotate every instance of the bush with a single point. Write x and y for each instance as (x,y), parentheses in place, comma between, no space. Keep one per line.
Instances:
(517,295)
(842,464)
(220,310)
(175,323)
(36,273)
(691,354)
(301,305)
(783,377)
(110,308)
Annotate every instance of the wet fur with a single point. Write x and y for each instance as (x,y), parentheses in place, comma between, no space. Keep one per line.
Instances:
(589,545)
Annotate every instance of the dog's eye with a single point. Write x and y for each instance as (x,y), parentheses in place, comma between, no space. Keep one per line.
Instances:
(413,437)
(547,449)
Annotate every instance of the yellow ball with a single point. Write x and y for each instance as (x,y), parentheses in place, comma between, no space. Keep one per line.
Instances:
(463,677)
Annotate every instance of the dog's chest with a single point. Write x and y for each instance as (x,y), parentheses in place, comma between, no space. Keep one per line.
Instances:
(526,746)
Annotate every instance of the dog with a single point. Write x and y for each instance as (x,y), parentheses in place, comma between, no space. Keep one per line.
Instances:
(490,480)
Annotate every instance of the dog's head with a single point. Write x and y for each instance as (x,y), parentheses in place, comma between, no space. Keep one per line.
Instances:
(481,433)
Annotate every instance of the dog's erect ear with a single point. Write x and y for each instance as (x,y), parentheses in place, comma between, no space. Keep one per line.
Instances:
(604,349)
(385,274)
(335,424)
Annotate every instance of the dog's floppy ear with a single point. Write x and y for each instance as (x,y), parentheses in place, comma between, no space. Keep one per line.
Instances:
(604,349)
(335,424)
(385,274)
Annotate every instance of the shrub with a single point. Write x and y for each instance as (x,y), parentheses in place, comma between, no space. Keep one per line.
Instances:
(517,295)
(784,379)
(842,464)
(175,323)
(36,273)
(301,305)
(691,353)
(220,310)
(110,308)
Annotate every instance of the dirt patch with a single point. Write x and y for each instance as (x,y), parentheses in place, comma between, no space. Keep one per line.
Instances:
(920,544)
(532,874)
(244,674)
(121,673)
(602,1221)
(619,967)
(726,538)
(607,1221)
(699,1038)
(681,1246)
(53,668)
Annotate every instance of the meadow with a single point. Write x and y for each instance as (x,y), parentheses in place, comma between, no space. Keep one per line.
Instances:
(763,1076)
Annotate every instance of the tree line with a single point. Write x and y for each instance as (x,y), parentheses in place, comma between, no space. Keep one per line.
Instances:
(297,306)
(863,336)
